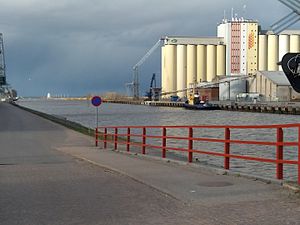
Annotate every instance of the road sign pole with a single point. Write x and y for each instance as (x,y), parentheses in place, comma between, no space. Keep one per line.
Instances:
(97,116)
(96,101)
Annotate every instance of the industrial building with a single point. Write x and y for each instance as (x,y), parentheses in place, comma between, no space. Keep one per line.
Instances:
(240,49)
(273,86)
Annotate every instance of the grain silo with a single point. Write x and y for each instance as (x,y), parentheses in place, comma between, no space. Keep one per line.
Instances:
(171,67)
(294,43)
(211,62)
(191,64)
(201,63)
(181,69)
(262,52)
(164,83)
(284,47)
(272,52)
(221,60)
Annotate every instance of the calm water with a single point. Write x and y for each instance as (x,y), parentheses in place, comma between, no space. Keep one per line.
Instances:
(121,114)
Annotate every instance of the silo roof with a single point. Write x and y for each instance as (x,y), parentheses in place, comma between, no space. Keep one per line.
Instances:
(277,77)
(185,40)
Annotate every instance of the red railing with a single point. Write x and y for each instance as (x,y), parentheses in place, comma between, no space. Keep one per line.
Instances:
(123,135)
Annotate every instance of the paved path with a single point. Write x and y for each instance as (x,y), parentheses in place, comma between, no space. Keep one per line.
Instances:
(52,175)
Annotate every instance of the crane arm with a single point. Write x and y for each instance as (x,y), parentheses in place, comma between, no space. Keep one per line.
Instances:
(143,59)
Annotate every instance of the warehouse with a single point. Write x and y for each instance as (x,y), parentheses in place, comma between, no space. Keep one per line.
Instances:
(273,86)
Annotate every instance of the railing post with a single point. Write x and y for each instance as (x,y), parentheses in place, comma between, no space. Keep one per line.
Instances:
(105,138)
(96,137)
(279,154)
(128,139)
(164,142)
(299,155)
(227,149)
(116,138)
(190,156)
(144,141)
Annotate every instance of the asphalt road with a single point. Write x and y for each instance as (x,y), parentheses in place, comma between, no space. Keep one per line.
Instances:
(39,185)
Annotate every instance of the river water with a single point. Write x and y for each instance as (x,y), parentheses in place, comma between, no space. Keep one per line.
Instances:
(122,115)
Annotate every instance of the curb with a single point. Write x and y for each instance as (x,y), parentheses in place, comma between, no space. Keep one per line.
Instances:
(60,120)
(158,189)
(290,186)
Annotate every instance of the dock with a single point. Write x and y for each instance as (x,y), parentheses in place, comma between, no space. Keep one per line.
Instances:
(261,107)
(292,108)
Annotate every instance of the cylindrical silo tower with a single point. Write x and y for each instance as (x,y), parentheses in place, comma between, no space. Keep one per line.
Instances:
(273,52)
(211,62)
(284,46)
(221,60)
(262,52)
(201,63)
(163,70)
(294,43)
(181,69)
(191,64)
(170,65)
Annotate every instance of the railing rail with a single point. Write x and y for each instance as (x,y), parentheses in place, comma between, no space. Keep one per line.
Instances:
(123,135)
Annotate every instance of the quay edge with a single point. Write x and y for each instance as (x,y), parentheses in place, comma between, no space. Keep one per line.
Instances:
(292,108)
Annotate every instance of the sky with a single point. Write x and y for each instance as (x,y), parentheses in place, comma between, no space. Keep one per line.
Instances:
(81,47)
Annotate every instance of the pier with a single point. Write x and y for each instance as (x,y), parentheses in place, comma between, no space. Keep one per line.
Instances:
(292,108)
(53,175)
(264,107)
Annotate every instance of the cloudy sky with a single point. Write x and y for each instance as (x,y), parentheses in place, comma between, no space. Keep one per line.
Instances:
(77,47)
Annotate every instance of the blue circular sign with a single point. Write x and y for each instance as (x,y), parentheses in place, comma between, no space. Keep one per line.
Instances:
(96,101)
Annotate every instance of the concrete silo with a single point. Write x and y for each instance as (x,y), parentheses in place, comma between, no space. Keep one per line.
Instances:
(221,60)
(181,69)
(171,67)
(284,47)
(163,70)
(201,63)
(272,52)
(211,62)
(191,64)
(294,43)
(262,53)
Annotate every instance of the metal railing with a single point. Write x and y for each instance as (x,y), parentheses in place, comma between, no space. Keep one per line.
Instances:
(123,135)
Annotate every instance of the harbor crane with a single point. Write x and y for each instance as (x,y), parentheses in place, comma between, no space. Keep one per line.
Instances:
(134,86)
(289,19)
(2,63)
(153,90)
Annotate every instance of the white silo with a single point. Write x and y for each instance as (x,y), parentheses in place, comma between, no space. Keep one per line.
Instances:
(273,52)
(262,52)
(191,64)
(211,62)
(221,60)
(181,69)
(163,70)
(284,46)
(294,43)
(201,63)
(170,65)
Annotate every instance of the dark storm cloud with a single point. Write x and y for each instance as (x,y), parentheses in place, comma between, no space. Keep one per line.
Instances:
(80,46)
